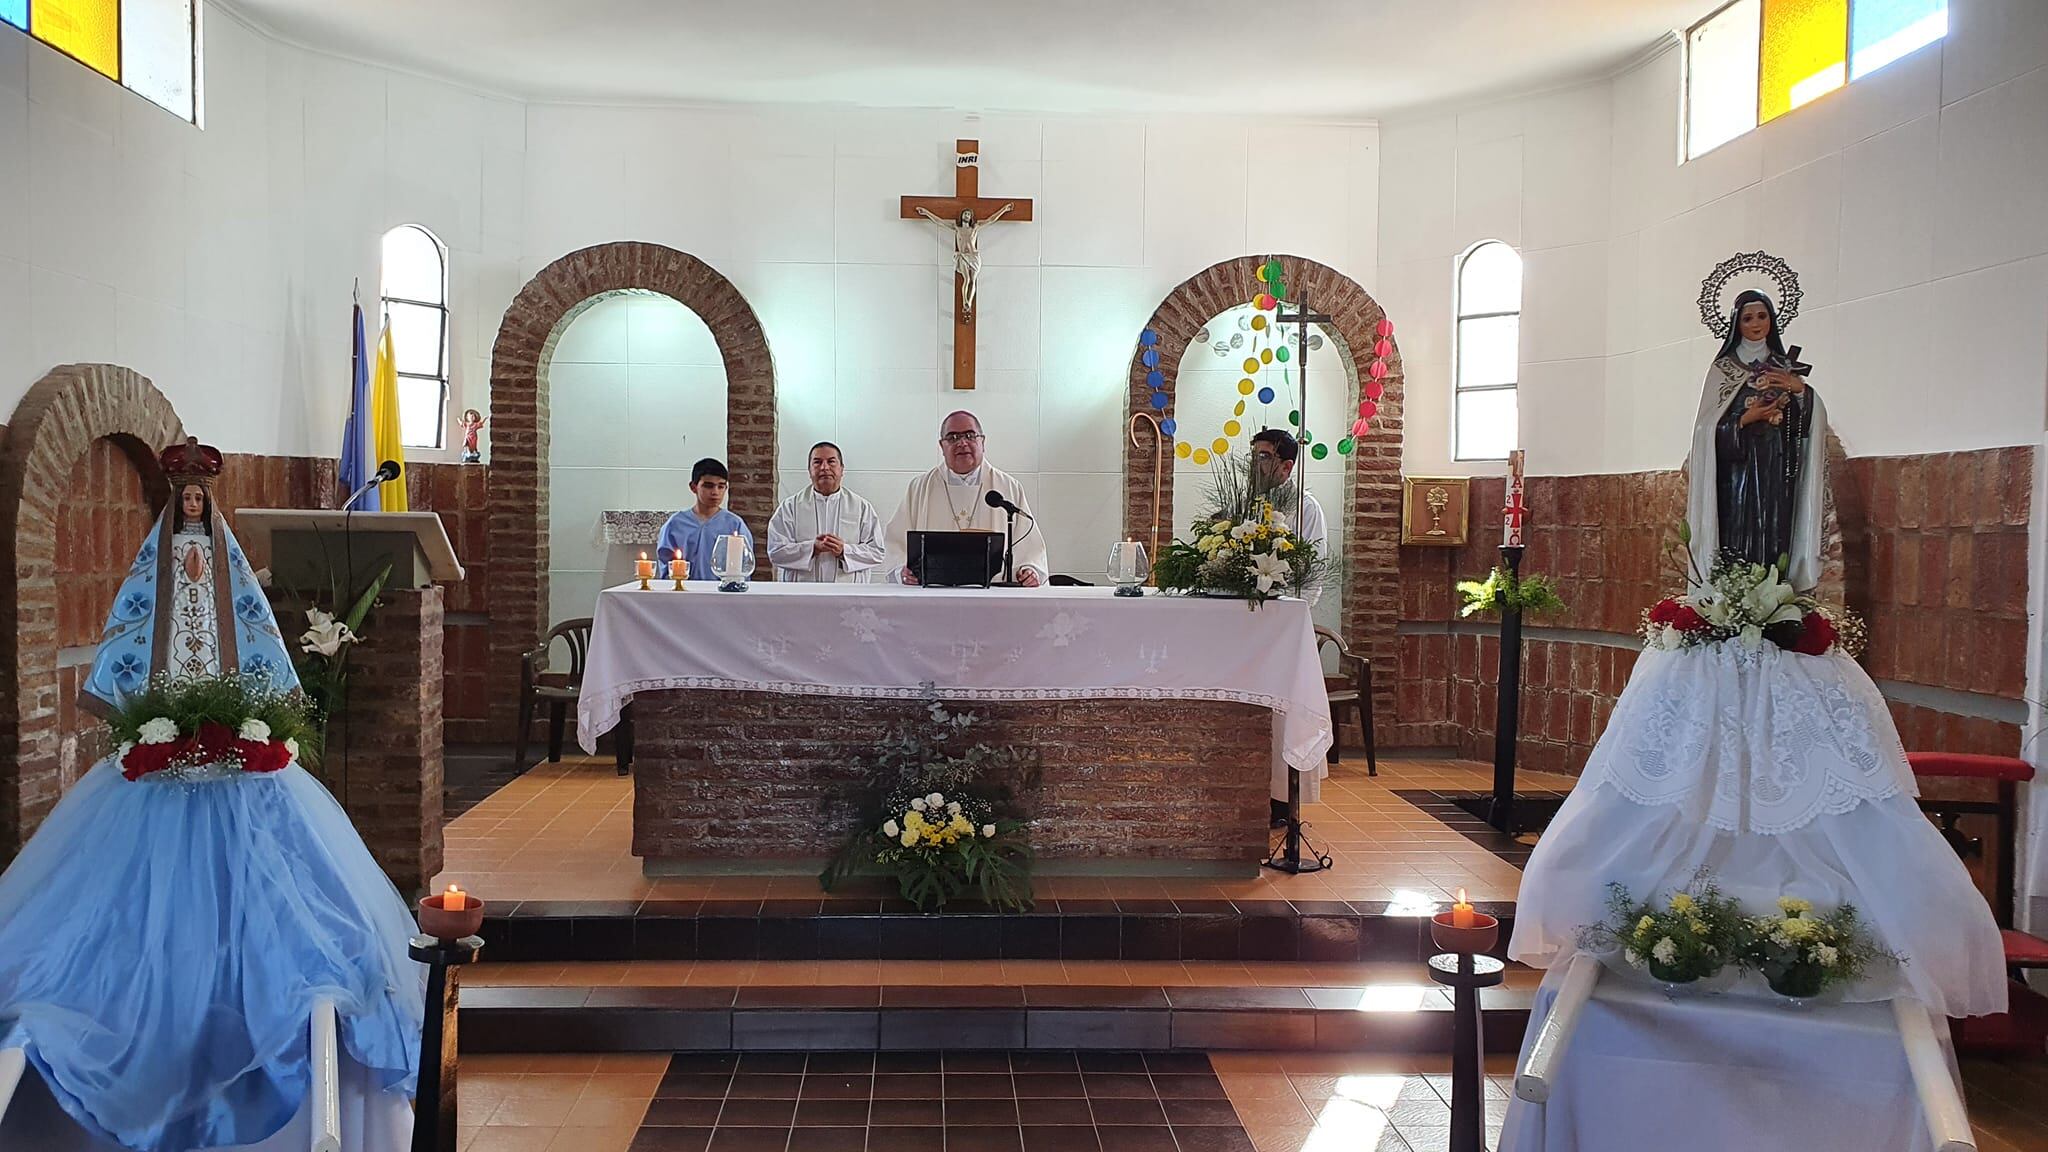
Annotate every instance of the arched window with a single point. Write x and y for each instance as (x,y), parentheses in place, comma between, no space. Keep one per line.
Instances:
(1489,331)
(415,292)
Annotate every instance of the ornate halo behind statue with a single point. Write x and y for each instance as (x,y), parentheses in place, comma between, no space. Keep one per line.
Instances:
(1739,273)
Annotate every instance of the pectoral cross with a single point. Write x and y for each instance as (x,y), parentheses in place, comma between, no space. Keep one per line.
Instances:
(965,213)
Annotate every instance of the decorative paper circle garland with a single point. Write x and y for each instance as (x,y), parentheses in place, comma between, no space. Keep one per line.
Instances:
(1270,274)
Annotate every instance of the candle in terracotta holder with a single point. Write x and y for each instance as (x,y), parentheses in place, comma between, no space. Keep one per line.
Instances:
(643,570)
(679,571)
(1464,928)
(451,915)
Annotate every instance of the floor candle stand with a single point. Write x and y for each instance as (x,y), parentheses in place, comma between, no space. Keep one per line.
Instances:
(433,1125)
(1465,969)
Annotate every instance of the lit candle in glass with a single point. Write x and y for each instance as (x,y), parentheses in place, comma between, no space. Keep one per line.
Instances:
(1462,915)
(679,570)
(644,568)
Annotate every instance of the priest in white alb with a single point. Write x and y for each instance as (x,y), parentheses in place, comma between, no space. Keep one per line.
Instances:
(825,534)
(954,498)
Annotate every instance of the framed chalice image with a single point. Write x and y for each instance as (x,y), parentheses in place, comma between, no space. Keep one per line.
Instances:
(1435,510)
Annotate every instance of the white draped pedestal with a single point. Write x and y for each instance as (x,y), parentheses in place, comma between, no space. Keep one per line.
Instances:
(1163,723)
(1715,1073)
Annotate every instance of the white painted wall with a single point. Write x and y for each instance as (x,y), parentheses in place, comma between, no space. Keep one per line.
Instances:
(1909,201)
(799,209)
(219,262)
(638,397)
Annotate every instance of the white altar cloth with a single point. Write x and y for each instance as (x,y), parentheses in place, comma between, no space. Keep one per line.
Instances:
(1714,1073)
(885,640)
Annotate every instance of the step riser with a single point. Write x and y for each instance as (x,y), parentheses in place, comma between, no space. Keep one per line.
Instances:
(835,1030)
(967,936)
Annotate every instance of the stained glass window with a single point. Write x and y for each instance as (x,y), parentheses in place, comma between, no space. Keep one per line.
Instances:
(1881,31)
(1752,61)
(1805,54)
(1489,337)
(1721,70)
(415,292)
(87,30)
(14,12)
(156,52)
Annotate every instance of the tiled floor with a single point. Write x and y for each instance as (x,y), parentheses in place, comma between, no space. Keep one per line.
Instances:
(1280,1102)
(564,831)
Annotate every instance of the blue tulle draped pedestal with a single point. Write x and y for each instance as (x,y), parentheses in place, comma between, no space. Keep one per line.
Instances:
(162,945)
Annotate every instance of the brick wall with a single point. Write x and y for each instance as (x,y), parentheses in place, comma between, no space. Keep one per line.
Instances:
(383,758)
(755,775)
(1931,550)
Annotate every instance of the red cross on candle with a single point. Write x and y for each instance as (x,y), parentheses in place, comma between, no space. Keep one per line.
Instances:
(1511,515)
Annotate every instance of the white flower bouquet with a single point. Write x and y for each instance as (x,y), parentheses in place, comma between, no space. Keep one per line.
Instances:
(1750,605)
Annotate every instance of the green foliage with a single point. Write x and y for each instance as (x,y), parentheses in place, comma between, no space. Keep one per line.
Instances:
(936,756)
(325,677)
(1502,590)
(225,700)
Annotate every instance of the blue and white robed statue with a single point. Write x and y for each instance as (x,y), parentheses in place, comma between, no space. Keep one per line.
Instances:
(164,940)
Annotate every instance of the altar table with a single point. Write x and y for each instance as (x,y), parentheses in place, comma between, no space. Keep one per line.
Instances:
(1162,722)
(1712,1073)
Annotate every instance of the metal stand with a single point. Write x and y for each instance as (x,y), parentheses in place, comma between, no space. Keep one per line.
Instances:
(1009,550)
(1508,705)
(433,1115)
(1289,858)
(1466,973)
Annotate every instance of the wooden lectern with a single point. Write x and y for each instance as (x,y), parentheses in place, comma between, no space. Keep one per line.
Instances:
(306,548)
(383,754)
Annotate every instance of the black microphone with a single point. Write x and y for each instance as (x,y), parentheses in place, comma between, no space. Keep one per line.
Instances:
(387,471)
(994,499)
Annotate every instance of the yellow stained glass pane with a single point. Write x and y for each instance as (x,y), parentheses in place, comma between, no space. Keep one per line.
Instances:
(89,30)
(1805,54)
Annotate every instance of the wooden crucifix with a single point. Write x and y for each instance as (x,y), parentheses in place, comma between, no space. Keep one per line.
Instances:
(965,213)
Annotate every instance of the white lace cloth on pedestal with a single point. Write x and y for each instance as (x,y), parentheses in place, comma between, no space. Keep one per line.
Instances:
(886,640)
(1762,741)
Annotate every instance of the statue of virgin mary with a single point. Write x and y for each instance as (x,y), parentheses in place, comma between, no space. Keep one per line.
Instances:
(164,940)
(1758,465)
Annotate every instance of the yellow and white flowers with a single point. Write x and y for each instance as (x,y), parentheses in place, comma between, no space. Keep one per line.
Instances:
(1802,955)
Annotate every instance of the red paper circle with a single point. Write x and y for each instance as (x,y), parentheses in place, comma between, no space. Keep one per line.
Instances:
(1378,371)
(1367,409)
(1383,348)
(1374,389)
(1384,328)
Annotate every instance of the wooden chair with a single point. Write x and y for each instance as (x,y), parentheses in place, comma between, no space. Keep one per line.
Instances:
(559,690)
(1351,686)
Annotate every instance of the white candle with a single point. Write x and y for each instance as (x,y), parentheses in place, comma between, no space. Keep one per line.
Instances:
(453,900)
(644,568)
(1462,914)
(1514,513)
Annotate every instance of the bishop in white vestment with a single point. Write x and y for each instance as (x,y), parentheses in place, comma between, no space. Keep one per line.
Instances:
(825,534)
(954,498)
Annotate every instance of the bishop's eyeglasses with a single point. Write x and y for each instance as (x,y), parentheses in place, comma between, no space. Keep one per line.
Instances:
(959,437)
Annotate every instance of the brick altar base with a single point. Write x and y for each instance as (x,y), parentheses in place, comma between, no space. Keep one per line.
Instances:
(756,782)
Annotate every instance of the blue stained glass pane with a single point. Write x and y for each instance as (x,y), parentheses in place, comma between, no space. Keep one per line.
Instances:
(15,12)
(1881,31)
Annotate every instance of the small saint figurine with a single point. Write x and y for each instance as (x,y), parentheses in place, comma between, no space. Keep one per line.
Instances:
(1758,464)
(472,422)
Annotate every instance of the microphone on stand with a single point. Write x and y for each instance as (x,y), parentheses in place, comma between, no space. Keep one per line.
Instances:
(386,472)
(995,499)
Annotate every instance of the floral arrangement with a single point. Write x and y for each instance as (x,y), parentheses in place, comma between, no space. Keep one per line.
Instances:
(1245,548)
(937,830)
(1503,589)
(1749,604)
(325,645)
(1802,955)
(1693,936)
(180,725)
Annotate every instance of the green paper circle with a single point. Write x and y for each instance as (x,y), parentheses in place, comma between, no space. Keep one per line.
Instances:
(1294,415)
(1281,353)
(1319,451)
(1344,446)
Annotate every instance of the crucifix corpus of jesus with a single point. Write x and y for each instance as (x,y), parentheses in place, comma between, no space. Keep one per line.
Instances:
(965,213)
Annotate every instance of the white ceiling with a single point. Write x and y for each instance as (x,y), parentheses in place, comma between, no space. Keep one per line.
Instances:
(1299,58)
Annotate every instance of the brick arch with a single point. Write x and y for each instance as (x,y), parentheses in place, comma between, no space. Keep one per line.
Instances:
(55,427)
(543,310)
(1373,518)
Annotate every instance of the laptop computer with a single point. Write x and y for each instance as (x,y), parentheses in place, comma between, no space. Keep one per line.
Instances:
(955,559)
